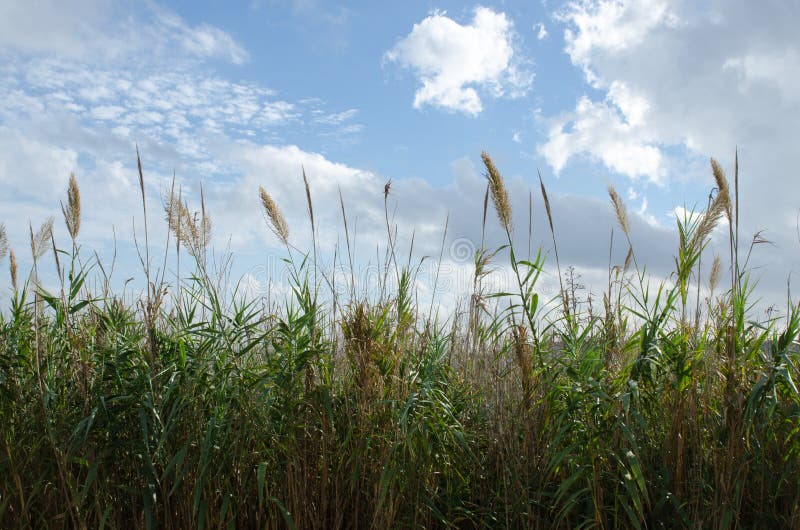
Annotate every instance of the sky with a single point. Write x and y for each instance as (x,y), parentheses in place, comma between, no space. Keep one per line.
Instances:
(638,94)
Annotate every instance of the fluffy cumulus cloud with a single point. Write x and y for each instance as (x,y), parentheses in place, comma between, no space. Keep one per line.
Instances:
(610,25)
(453,61)
(610,131)
(681,81)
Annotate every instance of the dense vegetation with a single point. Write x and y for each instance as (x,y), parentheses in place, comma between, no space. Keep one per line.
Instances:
(191,407)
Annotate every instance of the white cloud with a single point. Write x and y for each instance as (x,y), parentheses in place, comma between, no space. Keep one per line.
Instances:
(684,81)
(609,26)
(633,106)
(337,118)
(453,61)
(541,31)
(107,112)
(203,40)
(52,25)
(31,168)
(777,69)
(602,130)
(104,30)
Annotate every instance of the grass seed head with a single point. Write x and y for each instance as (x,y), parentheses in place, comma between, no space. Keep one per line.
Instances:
(724,194)
(12,267)
(3,241)
(72,211)
(497,188)
(193,231)
(277,220)
(716,273)
(619,210)
(41,238)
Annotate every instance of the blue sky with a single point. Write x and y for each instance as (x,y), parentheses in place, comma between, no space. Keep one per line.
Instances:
(638,94)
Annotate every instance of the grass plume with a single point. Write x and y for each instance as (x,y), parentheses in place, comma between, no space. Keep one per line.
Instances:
(40,240)
(12,268)
(619,210)
(3,241)
(72,210)
(497,189)
(277,222)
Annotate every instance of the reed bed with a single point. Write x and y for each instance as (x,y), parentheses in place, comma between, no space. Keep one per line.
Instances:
(193,408)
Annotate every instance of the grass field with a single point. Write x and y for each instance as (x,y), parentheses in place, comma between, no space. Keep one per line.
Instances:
(663,406)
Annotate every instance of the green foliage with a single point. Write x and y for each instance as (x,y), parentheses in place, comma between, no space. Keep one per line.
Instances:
(210,410)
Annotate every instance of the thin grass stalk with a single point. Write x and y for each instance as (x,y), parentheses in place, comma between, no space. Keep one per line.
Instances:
(736,215)
(149,313)
(391,248)
(564,301)
(439,265)
(349,250)
(310,205)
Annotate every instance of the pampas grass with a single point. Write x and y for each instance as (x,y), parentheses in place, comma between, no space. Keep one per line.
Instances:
(12,268)
(497,188)
(192,230)
(40,240)
(277,222)
(72,211)
(714,274)
(619,210)
(3,241)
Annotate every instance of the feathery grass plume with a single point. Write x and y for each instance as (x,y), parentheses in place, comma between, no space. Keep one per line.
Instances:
(724,193)
(191,232)
(715,274)
(72,211)
(711,217)
(721,205)
(12,267)
(172,214)
(277,221)
(3,241)
(619,210)
(499,194)
(41,238)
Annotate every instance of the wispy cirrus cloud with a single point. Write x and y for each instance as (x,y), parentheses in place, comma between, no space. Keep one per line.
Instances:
(103,30)
(82,86)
